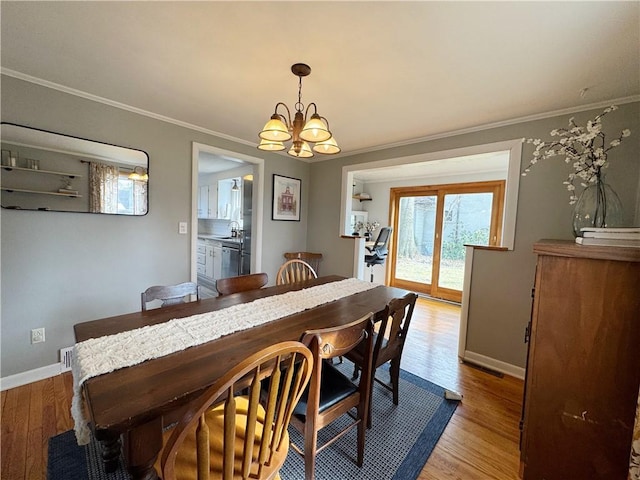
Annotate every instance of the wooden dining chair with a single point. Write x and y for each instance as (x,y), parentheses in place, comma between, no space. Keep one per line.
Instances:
(294,271)
(226,435)
(331,394)
(242,283)
(388,343)
(312,259)
(169,294)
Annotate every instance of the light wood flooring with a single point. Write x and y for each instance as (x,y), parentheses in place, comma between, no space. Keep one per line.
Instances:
(480,442)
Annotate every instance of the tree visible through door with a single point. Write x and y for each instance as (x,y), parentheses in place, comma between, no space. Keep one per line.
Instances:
(432,225)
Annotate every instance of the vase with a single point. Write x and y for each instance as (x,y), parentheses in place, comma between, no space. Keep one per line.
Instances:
(598,206)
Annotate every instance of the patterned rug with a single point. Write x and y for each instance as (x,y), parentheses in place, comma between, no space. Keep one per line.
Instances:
(397,446)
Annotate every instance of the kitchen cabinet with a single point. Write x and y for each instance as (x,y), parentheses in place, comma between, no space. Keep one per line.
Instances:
(229,201)
(209,261)
(224,199)
(220,200)
(207,201)
(203,201)
(201,257)
(583,365)
(217,260)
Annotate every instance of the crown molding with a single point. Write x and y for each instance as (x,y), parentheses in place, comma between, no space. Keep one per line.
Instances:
(503,123)
(413,141)
(122,106)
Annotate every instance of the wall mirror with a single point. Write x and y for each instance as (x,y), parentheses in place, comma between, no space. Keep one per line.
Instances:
(42,170)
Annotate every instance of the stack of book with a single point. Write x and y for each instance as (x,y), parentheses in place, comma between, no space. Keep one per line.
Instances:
(613,237)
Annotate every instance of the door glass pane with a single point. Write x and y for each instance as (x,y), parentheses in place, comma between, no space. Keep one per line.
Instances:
(416,228)
(467,220)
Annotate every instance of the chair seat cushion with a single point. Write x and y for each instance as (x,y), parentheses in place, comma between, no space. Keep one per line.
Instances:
(334,387)
(186,466)
(374,260)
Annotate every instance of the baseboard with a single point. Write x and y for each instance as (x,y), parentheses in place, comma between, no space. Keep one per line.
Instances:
(30,376)
(493,364)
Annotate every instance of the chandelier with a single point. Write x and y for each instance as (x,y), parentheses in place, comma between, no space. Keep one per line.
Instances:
(302,131)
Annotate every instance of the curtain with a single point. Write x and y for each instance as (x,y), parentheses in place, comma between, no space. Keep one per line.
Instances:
(103,188)
(140,197)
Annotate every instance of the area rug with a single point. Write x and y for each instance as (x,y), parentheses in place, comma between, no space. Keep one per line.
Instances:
(397,446)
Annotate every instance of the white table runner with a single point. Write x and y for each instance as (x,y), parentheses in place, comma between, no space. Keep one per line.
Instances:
(98,356)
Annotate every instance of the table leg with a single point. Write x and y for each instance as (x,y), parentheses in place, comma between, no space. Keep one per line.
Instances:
(141,448)
(110,448)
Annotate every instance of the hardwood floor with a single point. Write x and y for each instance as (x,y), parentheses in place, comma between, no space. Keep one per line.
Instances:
(480,442)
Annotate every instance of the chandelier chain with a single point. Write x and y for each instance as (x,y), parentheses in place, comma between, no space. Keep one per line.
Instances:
(299,105)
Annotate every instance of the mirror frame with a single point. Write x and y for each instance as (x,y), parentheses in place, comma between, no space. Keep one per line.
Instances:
(28,142)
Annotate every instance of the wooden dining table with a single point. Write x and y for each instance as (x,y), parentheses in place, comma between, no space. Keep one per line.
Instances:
(129,407)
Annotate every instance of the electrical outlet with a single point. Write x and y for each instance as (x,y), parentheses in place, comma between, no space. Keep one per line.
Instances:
(37,335)
(182,228)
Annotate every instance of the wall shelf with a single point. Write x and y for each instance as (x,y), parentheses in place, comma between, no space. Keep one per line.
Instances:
(23,190)
(49,172)
(362,199)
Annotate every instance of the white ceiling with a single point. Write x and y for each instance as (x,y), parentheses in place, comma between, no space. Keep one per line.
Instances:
(384,73)
(214,163)
(495,164)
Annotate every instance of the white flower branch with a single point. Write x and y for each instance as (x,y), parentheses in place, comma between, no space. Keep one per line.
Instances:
(585,148)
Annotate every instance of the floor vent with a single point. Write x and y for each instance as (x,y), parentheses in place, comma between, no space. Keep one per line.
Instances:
(490,371)
(66,359)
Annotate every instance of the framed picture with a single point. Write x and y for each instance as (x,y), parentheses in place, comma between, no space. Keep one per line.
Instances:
(286,198)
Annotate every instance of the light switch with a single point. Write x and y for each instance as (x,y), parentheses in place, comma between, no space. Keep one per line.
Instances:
(182,228)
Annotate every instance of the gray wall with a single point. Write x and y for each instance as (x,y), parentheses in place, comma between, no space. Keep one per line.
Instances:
(59,269)
(500,301)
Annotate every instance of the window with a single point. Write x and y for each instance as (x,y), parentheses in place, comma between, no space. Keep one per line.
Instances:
(431,226)
(132,195)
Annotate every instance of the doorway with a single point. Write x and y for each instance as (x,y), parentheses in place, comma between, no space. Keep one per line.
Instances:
(432,225)
(200,151)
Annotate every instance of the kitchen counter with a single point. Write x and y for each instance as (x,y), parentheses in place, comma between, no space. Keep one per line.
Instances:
(233,241)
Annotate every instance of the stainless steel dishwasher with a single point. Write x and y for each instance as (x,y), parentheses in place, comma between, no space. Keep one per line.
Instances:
(230,261)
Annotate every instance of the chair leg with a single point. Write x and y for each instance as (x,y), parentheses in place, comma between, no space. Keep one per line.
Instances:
(356,372)
(362,430)
(369,413)
(394,373)
(310,447)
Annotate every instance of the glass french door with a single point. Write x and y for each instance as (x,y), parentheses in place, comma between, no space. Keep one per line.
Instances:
(431,227)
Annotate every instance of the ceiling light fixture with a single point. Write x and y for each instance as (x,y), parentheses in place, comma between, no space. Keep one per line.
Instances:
(303,129)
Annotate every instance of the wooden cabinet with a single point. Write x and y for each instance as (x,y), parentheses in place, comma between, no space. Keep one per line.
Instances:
(583,366)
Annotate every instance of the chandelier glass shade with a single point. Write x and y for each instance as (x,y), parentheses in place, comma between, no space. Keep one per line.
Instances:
(304,128)
(271,145)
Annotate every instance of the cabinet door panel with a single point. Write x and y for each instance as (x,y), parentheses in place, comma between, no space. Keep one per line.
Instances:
(209,262)
(584,369)
(217,261)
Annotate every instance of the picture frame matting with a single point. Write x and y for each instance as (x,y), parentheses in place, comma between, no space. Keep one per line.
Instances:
(286,198)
